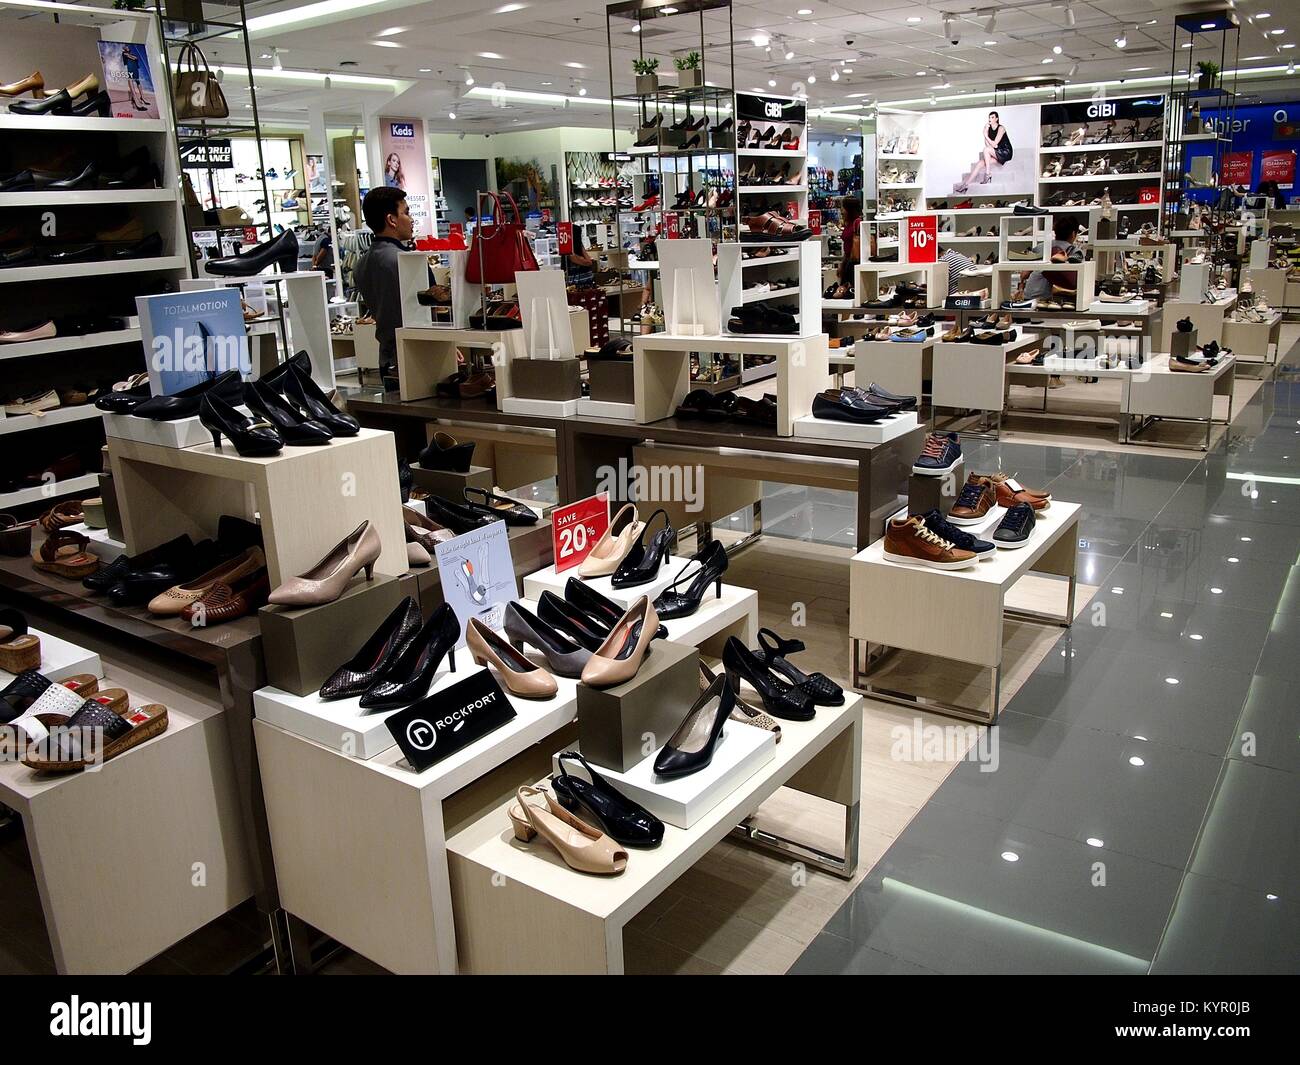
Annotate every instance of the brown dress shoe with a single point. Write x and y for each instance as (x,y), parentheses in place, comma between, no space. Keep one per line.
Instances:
(1010,492)
(226,602)
(907,540)
(977,498)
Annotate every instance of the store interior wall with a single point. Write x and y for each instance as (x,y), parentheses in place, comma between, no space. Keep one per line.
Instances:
(462,179)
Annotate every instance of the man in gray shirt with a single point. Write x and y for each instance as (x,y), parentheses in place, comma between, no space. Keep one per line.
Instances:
(388,217)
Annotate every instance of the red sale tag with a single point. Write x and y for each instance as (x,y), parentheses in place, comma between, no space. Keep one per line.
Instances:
(922,238)
(815,221)
(1278,166)
(575,529)
(1150,194)
(564,237)
(672,226)
(1237,167)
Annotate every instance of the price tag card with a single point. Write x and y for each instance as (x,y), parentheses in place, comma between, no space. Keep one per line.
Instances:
(672,226)
(922,238)
(575,529)
(564,238)
(815,221)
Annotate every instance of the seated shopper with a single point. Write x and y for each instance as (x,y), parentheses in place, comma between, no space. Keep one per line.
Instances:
(1042,283)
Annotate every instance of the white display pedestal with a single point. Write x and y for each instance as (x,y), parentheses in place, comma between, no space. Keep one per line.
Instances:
(547,580)
(61,659)
(900,368)
(884,430)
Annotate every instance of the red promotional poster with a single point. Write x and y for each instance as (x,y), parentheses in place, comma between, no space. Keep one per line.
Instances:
(672,226)
(815,221)
(564,237)
(1149,194)
(1237,167)
(922,238)
(1278,166)
(575,529)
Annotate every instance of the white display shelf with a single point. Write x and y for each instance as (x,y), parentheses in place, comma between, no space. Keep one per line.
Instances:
(1117,207)
(547,580)
(1077,178)
(1109,146)
(750,374)
(948,238)
(774,153)
(1196,137)
(768,294)
(770,189)
(61,659)
(976,210)
(70,124)
(899,185)
(91,269)
(74,198)
(68,343)
(42,492)
(20,423)
(900,155)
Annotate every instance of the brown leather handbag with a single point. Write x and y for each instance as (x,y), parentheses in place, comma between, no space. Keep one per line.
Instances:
(195,90)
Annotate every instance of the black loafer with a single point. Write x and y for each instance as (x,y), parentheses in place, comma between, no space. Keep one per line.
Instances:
(185,403)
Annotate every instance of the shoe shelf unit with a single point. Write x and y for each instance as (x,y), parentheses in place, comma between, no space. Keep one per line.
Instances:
(793,282)
(954,615)
(771,123)
(62,40)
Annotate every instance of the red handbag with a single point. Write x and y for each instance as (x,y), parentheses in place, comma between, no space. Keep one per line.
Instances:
(500,248)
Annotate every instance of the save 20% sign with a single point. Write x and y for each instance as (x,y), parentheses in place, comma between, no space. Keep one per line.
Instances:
(577,528)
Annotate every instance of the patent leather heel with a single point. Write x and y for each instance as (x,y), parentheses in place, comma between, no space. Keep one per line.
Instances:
(779,699)
(711,563)
(221,419)
(642,563)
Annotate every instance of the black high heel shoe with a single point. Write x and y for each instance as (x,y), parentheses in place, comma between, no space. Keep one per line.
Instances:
(494,507)
(459,519)
(779,698)
(774,651)
(293,378)
(221,419)
(711,563)
(623,820)
(376,655)
(603,611)
(281,250)
(185,403)
(408,679)
(295,429)
(641,564)
(564,617)
(691,747)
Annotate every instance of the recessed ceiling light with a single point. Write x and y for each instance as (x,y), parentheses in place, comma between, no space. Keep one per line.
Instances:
(1277,31)
(1057,49)
(1135,760)
(771,83)
(1049,59)
(1195,636)
(1136,70)
(1216,591)
(920,73)
(426,70)
(451,115)
(848,70)
(1171,680)
(804,11)
(1093,841)
(1010,856)
(576,66)
(761,40)
(386,44)
(989,44)
(1264,14)
(505,9)
(392,31)
(582,90)
(548,83)
(913,18)
(1288,46)
(489,55)
(1166,614)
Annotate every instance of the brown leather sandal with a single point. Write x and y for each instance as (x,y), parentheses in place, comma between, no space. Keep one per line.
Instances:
(61,515)
(64,553)
(15,536)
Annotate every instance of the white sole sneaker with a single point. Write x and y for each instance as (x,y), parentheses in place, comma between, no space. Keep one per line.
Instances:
(908,560)
(935,471)
(1011,545)
(970,521)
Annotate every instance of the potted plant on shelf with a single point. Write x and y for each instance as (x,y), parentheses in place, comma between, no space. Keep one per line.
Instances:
(647,81)
(1208,71)
(689,74)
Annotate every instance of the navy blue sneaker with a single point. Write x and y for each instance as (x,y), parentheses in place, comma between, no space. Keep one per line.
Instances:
(1016,527)
(941,453)
(934,521)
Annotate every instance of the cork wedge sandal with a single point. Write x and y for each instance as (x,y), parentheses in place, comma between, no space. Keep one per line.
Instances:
(121,730)
(64,554)
(19,649)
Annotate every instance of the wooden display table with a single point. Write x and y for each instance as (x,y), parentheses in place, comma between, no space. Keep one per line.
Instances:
(520,909)
(1157,392)
(307,498)
(901,367)
(1254,341)
(952,614)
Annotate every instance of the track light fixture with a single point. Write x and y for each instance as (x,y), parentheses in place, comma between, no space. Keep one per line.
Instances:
(835,75)
(992,22)
(1069,16)
(1121,39)
(276,63)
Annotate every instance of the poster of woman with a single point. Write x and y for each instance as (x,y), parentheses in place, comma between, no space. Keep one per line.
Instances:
(986,152)
(128,79)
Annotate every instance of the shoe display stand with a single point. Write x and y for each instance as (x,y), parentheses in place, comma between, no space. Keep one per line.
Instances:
(1085,283)
(926,493)
(1255,341)
(879,432)
(897,367)
(520,909)
(336,817)
(952,614)
(175,816)
(1207,318)
(1107,252)
(661,363)
(973,378)
(60,659)
(1157,393)
(869,278)
(734,274)
(1269,284)
(164,492)
(68,48)
(413,273)
(177,433)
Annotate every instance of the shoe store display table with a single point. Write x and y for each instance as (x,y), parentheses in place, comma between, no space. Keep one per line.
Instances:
(1269,284)
(661,367)
(952,614)
(134,856)
(973,377)
(335,818)
(1254,341)
(1085,282)
(520,909)
(899,367)
(307,498)
(1207,318)
(426,356)
(1157,393)
(870,278)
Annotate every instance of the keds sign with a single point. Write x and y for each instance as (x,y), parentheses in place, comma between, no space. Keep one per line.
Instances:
(401,129)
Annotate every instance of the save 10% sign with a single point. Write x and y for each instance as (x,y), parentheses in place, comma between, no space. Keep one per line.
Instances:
(577,528)
(922,238)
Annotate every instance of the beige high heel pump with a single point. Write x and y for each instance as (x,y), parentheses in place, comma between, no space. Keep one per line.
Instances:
(325,581)
(614,543)
(584,848)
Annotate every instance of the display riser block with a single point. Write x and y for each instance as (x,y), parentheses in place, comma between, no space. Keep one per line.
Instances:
(1182,343)
(886,429)
(108,493)
(595,408)
(547,580)
(741,750)
(557,380)
(547,408)
(304,646)
(926,493)
(612,381)
(449,484)
(423,584)
(983,530)
(340,724)
(61,659)
(617,725)
(100,543)
(183,432)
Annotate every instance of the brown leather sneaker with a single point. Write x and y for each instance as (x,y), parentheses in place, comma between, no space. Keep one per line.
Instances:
(977,498)
(1010,492)
(909,541)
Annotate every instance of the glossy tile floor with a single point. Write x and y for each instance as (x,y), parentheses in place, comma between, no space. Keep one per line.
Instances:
(1143,812)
